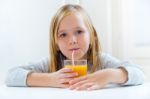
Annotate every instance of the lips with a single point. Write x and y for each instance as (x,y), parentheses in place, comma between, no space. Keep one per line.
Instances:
(74,49)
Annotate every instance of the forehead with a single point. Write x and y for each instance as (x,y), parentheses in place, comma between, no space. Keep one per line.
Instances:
(72,21)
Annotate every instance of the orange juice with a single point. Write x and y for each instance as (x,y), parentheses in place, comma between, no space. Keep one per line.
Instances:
(80,69)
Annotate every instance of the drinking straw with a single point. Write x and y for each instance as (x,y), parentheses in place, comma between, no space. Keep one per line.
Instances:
(73,57)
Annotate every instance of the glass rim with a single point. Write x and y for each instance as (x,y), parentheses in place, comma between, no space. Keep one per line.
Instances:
(75,62)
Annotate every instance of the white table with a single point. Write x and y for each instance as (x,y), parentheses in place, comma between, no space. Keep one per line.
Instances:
(128,92)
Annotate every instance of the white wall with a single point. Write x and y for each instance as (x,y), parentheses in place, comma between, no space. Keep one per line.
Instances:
(136,33)
(24,28)
(100,13)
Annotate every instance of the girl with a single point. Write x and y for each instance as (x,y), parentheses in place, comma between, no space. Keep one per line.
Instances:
(71,30)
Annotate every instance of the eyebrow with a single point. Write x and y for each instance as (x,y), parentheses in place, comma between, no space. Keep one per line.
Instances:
(59,31)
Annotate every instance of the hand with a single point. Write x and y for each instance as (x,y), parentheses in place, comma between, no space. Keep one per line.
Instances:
(62,77)
(93,81)
(99,79)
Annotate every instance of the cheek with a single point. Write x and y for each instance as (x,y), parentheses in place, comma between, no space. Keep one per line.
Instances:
(87,38)
(62,46)
(85,42)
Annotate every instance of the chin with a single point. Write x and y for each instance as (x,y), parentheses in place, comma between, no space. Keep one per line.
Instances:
(76,58)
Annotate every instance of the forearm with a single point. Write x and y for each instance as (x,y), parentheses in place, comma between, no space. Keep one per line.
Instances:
(39,79)
(119,75)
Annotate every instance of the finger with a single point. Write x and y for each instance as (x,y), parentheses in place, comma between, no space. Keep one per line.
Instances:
(78,84)
(97,86)
(75,80)
(69,75)
(65,80)
(65,85)
(84,86)
(66,70)
(94,87)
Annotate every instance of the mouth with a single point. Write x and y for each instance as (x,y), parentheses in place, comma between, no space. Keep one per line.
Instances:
(74,49)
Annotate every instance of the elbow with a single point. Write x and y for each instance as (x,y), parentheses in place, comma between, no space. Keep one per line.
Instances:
(16,77)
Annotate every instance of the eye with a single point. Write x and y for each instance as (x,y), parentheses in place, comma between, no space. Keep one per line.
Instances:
(62,35)
(79,32)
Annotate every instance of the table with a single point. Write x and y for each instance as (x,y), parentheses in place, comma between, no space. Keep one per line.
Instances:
(117,92)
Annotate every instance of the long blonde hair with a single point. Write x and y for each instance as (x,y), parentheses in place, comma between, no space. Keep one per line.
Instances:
(94,51)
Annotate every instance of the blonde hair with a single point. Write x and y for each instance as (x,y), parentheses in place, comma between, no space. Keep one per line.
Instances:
(94,51)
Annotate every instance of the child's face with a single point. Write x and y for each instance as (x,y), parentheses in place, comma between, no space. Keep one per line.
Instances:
(73,35)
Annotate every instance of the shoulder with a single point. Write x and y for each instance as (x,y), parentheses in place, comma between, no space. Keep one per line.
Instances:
(42,64)
(42,61)
(107,60)
(39,65)
(107,56)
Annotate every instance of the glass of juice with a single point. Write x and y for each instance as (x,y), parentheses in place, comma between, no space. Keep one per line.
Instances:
(79,66)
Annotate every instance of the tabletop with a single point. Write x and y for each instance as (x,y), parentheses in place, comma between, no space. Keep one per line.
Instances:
(110,92)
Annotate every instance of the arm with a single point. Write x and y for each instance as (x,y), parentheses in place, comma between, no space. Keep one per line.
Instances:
(55,79)
(114,71)
(39,79)
(99,79)
(17,76)
(37,75)
(118,76)
(135,75)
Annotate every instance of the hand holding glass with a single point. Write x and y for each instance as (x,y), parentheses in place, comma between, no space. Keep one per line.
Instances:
(79,66)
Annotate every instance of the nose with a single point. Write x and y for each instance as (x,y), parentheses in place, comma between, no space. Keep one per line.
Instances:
(73,40)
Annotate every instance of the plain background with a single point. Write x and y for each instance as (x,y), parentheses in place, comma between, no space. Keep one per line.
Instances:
(122,26)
